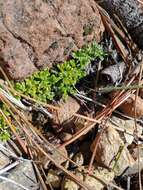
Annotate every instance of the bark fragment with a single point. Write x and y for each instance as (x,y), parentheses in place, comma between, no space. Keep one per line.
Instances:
(130,13)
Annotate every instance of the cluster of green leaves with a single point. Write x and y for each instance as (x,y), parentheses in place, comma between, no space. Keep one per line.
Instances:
(38,86)
(61,80)
(4,132)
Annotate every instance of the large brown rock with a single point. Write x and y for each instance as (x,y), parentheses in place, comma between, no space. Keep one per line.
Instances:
(39,33)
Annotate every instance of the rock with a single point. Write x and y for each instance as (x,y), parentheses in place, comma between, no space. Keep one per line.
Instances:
(60,156)
(112,152)
(65,136)
(81,123)
(132,174)
(4,160)
(130,14)
(126,125)
(91,181)
(13,57)
(35,34)
(22,174)
(99,173)
(68,184)
(67,109)
(78,159)
(128,107)
(53,178)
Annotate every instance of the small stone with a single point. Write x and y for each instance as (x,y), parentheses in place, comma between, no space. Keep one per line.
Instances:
(53,178)
(59,155)
(65,136)
(23,174)
(126,125)
(113,73)
(68,184)
(134,169)
(4,160)
(99,173)
(91,181)
(133,174)
(112,152)
(79,124)
(67,110)
(78,159)
(3,82)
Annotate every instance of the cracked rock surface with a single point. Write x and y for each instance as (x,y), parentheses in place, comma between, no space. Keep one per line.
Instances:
(38,33)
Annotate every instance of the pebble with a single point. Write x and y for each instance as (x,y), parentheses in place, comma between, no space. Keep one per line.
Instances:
(78,159)
(112,152)
(65,136)
(53,179)
(91,181)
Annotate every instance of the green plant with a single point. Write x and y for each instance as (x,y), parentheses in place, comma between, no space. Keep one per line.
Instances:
(89,53)
(4,132)
(37,86)
(68,74)
(61,80)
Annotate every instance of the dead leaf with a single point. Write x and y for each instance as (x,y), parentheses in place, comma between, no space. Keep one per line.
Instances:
(114,73)
(128,107)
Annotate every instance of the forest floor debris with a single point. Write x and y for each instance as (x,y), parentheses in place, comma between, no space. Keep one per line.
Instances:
(80,123)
